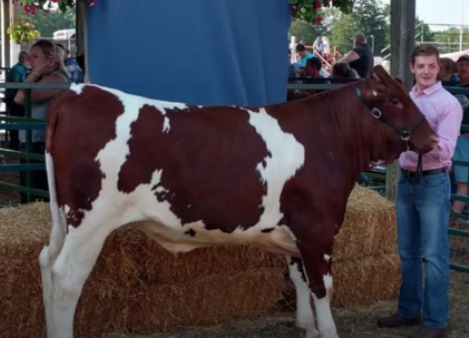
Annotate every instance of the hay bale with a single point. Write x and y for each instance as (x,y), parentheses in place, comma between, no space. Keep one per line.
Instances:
(135,285)
(369,226)
(363,282)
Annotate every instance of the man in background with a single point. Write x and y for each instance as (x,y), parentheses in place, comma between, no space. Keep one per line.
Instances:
(360,58)
(74,69)
(17,74)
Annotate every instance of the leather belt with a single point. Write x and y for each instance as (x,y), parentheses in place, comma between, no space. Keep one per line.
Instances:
(413,174)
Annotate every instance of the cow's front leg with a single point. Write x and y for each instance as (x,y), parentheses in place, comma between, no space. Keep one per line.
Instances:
(315,241)
(304,312)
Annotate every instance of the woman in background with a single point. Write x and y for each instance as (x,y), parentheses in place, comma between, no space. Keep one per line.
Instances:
(46,67)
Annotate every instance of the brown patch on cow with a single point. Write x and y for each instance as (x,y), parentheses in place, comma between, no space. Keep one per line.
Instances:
(79,127)
(208,160)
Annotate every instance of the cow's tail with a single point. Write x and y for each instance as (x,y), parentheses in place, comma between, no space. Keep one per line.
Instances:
(58,231)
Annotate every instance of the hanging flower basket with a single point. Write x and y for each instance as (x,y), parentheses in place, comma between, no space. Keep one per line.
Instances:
(312,10)
(22,33)
(31,6)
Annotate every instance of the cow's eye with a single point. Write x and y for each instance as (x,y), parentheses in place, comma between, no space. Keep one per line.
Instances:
(397,103)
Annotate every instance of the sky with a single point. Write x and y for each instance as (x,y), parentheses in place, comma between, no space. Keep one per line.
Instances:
(442,12)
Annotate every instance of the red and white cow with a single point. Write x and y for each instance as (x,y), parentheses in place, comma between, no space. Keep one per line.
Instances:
(277,177)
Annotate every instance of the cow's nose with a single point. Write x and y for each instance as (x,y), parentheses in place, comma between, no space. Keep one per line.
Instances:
(434,140)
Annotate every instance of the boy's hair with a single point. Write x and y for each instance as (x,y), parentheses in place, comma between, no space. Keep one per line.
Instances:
(425,50)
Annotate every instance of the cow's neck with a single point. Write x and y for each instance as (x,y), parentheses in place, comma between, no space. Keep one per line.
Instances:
(354,124)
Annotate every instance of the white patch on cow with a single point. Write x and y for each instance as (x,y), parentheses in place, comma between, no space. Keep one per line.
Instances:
(166,125)
(327,281)
(287,156)
(327,257)
(304,312)
(78,88)
(326,323)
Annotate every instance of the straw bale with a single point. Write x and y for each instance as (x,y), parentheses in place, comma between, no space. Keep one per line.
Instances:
(363,282)
(369,227)
(137,285)
(360,282)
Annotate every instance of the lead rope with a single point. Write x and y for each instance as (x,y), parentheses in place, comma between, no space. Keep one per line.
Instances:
(419,169)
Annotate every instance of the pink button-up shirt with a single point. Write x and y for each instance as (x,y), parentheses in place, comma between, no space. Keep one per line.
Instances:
(444,114)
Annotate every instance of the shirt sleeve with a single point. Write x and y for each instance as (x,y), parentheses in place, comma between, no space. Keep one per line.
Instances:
(359,51)
(448,130)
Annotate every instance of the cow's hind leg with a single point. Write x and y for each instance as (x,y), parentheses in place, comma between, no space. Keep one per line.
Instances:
(304,312)
(69,273)
(315,241)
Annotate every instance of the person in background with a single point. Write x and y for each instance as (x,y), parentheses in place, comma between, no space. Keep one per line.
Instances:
(47,67)
(73,68)
(318,45)
(342,70)
(423,207)
(303,54)
(360,57)
(446,74)
(313,69)
(17,74)
(461,153)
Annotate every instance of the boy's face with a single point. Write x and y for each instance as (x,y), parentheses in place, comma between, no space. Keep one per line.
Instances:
(425,69)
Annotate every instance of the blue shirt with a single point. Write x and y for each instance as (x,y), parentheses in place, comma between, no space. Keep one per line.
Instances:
(17,73)
(75,71)
(305,58)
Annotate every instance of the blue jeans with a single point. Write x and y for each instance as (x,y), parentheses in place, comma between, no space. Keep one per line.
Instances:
(422,211)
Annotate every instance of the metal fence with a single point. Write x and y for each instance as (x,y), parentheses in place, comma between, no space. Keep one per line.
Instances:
(27,124)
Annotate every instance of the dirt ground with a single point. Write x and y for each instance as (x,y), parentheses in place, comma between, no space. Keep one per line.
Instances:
(351,323)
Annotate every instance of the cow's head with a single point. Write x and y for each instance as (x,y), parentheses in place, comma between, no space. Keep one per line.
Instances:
(397,123)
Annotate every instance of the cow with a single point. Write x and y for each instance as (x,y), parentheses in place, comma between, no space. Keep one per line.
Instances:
(277,177)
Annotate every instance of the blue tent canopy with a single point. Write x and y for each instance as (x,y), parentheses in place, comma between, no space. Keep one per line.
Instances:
(194,51)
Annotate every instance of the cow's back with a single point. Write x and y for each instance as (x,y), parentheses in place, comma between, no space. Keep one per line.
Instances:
(221,165)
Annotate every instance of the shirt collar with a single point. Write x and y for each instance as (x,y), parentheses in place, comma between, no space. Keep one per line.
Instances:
(428,91)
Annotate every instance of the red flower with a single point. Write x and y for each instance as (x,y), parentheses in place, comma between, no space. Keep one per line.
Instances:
(27,8)
(317,4)
(293,9)
(93,2)
(318,19)
(54,0)
(33,10)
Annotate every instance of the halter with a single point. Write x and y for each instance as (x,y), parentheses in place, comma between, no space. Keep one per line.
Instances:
(405,133)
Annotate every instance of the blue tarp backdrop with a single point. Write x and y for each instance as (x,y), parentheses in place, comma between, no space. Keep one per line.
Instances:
(195,51)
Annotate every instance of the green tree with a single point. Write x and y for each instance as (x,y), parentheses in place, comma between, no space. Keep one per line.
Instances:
(370,17)
(305,32)
(48,23)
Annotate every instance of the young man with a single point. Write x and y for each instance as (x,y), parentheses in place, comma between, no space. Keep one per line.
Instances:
(303,54)
(423,207)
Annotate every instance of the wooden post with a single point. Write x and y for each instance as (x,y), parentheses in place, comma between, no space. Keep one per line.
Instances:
(402,44)
(6,62)
(15,17)
(82,36)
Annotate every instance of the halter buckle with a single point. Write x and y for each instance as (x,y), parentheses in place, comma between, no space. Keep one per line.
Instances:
(376,113)
(405,135)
